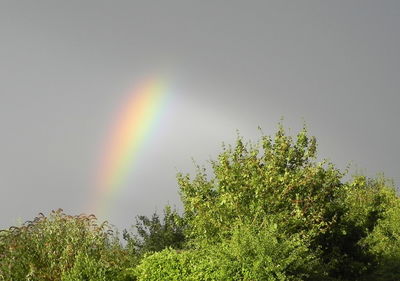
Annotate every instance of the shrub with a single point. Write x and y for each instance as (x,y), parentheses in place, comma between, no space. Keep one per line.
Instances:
(264,254)
(384,244)
(363,205)
(57,247)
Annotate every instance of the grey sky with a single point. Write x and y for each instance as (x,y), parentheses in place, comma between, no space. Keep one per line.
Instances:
(64,66)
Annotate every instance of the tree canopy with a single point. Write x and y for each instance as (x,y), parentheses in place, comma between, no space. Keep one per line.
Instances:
(271,211)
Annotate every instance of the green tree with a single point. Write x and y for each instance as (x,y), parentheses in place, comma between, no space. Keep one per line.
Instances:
(254,181)
(280,178)
(155,234)
(383,239)
(365,203)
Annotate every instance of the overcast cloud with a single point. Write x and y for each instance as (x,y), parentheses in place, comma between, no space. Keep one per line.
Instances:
(65,66)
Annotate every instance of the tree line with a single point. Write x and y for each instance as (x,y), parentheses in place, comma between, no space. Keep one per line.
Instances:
(266,210)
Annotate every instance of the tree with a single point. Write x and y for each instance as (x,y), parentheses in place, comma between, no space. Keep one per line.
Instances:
(252,182)
(279,181)
(155,234)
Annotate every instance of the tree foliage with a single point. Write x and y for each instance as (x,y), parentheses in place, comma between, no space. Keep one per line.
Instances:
(265,211)
(254,181)
(247,255)
(155,234)
(280,178)
(61,247)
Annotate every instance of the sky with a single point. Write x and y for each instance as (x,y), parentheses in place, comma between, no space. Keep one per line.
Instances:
(66,67)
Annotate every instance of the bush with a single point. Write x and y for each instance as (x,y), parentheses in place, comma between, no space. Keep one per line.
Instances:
(266,254)
(61,247)
(364,203)
(188,265)
(384,244)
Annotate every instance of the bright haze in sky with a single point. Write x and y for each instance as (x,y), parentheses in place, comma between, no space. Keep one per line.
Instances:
(67,66)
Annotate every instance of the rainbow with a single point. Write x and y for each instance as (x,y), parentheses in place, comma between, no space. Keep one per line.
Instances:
(134,123)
